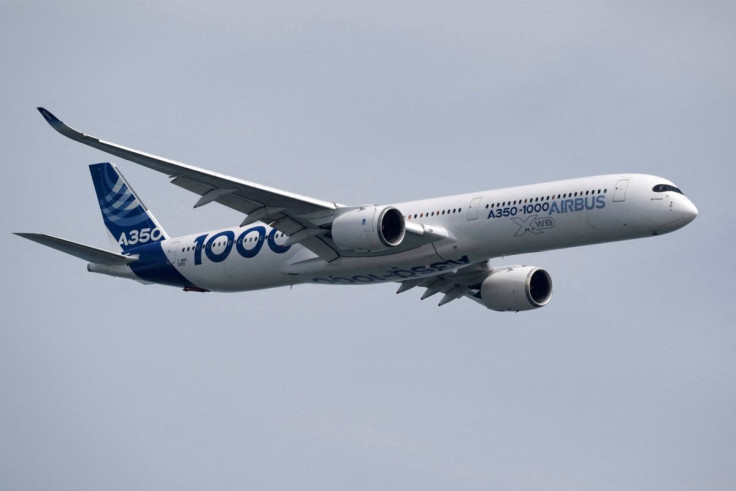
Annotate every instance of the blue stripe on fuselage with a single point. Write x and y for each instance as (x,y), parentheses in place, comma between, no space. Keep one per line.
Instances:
(154,266)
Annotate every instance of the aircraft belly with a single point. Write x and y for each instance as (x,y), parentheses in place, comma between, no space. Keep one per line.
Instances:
(270,269)
(236,273)
(415,264)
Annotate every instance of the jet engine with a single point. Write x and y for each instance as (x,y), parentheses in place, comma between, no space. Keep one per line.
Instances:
(369,229)
(516,288)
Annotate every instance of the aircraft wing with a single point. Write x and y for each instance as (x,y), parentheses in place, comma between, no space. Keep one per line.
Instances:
(464,282)
(287,212)
(88,253)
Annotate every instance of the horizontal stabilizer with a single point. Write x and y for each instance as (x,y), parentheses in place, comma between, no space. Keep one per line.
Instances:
(91,254)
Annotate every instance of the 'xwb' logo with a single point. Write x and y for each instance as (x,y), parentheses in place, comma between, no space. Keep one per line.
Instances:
(533,224)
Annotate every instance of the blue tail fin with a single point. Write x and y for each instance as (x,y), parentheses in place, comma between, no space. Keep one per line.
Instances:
(124,214)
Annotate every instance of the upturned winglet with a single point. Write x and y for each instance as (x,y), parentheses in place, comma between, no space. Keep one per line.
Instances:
(62,128)
(52,120)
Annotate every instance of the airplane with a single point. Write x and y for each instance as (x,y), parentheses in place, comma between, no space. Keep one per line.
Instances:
(444,245)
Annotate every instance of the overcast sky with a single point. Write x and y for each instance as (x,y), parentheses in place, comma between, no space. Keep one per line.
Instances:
(627,380)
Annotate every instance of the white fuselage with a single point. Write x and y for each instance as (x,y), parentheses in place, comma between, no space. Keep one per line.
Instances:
(480,225)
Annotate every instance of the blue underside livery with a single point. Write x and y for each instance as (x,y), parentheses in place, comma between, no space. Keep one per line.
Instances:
(154,266)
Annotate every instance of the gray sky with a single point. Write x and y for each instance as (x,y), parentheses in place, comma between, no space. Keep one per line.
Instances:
(625,381)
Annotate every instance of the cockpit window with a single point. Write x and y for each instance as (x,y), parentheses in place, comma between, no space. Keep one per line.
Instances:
(661,188)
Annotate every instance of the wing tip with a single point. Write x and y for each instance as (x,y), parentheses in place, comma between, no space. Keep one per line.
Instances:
(62,127)
(50,118)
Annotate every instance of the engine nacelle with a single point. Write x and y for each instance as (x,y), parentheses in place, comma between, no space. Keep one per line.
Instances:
(369,229)
(516,288)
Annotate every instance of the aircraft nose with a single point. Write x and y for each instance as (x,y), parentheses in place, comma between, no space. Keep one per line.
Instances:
(689,211)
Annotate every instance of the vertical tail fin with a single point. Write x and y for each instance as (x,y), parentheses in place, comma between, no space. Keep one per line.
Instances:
(124,214)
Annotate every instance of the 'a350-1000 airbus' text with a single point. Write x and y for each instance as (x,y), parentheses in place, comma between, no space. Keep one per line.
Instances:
(443,245)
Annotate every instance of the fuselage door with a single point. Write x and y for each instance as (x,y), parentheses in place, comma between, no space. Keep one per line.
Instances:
(473,208)
(620,192)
